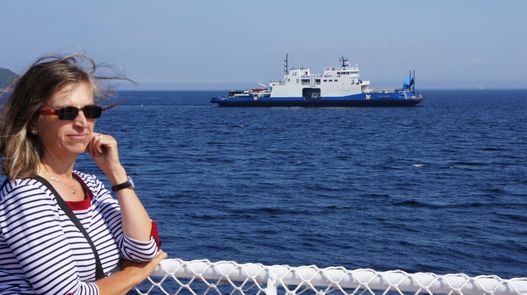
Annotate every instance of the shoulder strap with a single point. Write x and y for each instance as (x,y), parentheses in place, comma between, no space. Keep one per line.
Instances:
(4,183)
(99,273)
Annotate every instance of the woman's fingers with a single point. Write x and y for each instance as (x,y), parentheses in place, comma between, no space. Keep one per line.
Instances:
(161,255)
(156,261)
(92,147)
(145,268)
(100,143)
(97,143)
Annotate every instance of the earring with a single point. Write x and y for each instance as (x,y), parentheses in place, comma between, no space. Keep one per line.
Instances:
(34,132)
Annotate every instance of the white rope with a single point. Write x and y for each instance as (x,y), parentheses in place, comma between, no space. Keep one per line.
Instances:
(175,276)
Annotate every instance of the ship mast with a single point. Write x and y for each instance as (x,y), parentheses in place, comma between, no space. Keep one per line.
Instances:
(414,82)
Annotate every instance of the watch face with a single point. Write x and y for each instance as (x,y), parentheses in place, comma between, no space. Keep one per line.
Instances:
(131,181)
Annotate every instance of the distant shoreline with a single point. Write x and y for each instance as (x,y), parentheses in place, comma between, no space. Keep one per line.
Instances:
(244,85)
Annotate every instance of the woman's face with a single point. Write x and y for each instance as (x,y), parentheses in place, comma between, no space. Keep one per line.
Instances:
(66,138)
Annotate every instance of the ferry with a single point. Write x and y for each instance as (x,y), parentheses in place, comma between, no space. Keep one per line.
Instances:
(334,87)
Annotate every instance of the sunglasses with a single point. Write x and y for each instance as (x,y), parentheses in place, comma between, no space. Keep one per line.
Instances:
(70,113)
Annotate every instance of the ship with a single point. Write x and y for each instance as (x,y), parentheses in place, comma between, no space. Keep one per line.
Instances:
(334,87)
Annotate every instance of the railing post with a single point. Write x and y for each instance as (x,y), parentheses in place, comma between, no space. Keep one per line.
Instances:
(271,287)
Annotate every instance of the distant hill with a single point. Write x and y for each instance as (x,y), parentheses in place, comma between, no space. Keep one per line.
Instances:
(6,76)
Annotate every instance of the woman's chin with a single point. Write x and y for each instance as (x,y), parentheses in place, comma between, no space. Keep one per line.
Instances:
(77,149)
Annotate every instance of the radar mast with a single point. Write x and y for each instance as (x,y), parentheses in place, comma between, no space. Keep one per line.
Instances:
(345,62)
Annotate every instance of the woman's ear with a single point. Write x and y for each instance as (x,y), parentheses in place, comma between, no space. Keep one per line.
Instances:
(32,127)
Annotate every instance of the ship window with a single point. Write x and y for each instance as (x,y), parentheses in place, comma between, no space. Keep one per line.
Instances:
(325,80)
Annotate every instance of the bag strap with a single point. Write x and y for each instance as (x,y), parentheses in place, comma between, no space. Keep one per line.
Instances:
(99,273)
(4,183)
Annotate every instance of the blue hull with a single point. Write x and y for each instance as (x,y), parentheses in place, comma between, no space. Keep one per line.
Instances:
(396,99)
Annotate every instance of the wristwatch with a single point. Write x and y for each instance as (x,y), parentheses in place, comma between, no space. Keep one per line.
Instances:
(127,184)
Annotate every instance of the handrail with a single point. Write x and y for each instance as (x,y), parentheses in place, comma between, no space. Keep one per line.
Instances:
(255,278)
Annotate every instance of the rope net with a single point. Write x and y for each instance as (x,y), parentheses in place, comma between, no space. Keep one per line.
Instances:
(175,276)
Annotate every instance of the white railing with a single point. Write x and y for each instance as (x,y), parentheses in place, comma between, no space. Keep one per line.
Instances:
(175,276)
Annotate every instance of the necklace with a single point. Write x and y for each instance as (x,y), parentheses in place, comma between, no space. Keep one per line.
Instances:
(72,187)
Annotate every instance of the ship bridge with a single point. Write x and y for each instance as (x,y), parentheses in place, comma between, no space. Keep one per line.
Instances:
(298,73)
(341,71)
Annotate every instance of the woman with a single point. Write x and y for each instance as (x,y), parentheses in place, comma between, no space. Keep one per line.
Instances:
(61,232)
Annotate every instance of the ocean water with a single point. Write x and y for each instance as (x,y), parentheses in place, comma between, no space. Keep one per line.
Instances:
(441,187)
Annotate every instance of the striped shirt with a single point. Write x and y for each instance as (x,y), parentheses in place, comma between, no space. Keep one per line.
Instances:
(43,252)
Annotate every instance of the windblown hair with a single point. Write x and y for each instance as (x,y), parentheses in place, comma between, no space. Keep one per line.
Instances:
(21,150)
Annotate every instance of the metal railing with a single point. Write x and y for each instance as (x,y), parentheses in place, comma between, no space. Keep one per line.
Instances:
(175,276)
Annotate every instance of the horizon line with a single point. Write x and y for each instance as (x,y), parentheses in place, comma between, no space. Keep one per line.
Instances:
(417,90)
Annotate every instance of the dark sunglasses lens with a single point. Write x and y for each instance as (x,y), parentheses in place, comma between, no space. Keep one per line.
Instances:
(67,113)
(70,113)
(92,112)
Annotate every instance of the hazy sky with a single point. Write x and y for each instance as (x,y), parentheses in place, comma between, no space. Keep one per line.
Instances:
(171,44)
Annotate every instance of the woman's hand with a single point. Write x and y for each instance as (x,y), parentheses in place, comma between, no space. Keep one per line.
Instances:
(103,149)
(143,269)
(131,274)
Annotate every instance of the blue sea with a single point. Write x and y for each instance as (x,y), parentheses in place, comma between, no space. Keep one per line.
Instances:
(440,187)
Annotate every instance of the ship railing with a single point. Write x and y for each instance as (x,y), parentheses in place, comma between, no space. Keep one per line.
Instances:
(176,276)
(384,90)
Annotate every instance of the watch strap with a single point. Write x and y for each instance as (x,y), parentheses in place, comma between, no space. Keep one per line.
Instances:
(127,184)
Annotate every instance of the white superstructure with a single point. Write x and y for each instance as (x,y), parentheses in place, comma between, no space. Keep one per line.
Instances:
(333,82)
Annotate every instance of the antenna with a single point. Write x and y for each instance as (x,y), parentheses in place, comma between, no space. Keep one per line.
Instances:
(286,64)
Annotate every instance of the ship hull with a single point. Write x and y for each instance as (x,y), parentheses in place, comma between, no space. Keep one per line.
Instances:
(370,100)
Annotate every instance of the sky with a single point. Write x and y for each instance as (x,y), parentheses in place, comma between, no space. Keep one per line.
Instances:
(221,44)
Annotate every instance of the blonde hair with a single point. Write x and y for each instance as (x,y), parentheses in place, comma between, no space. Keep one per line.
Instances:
(20,148)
